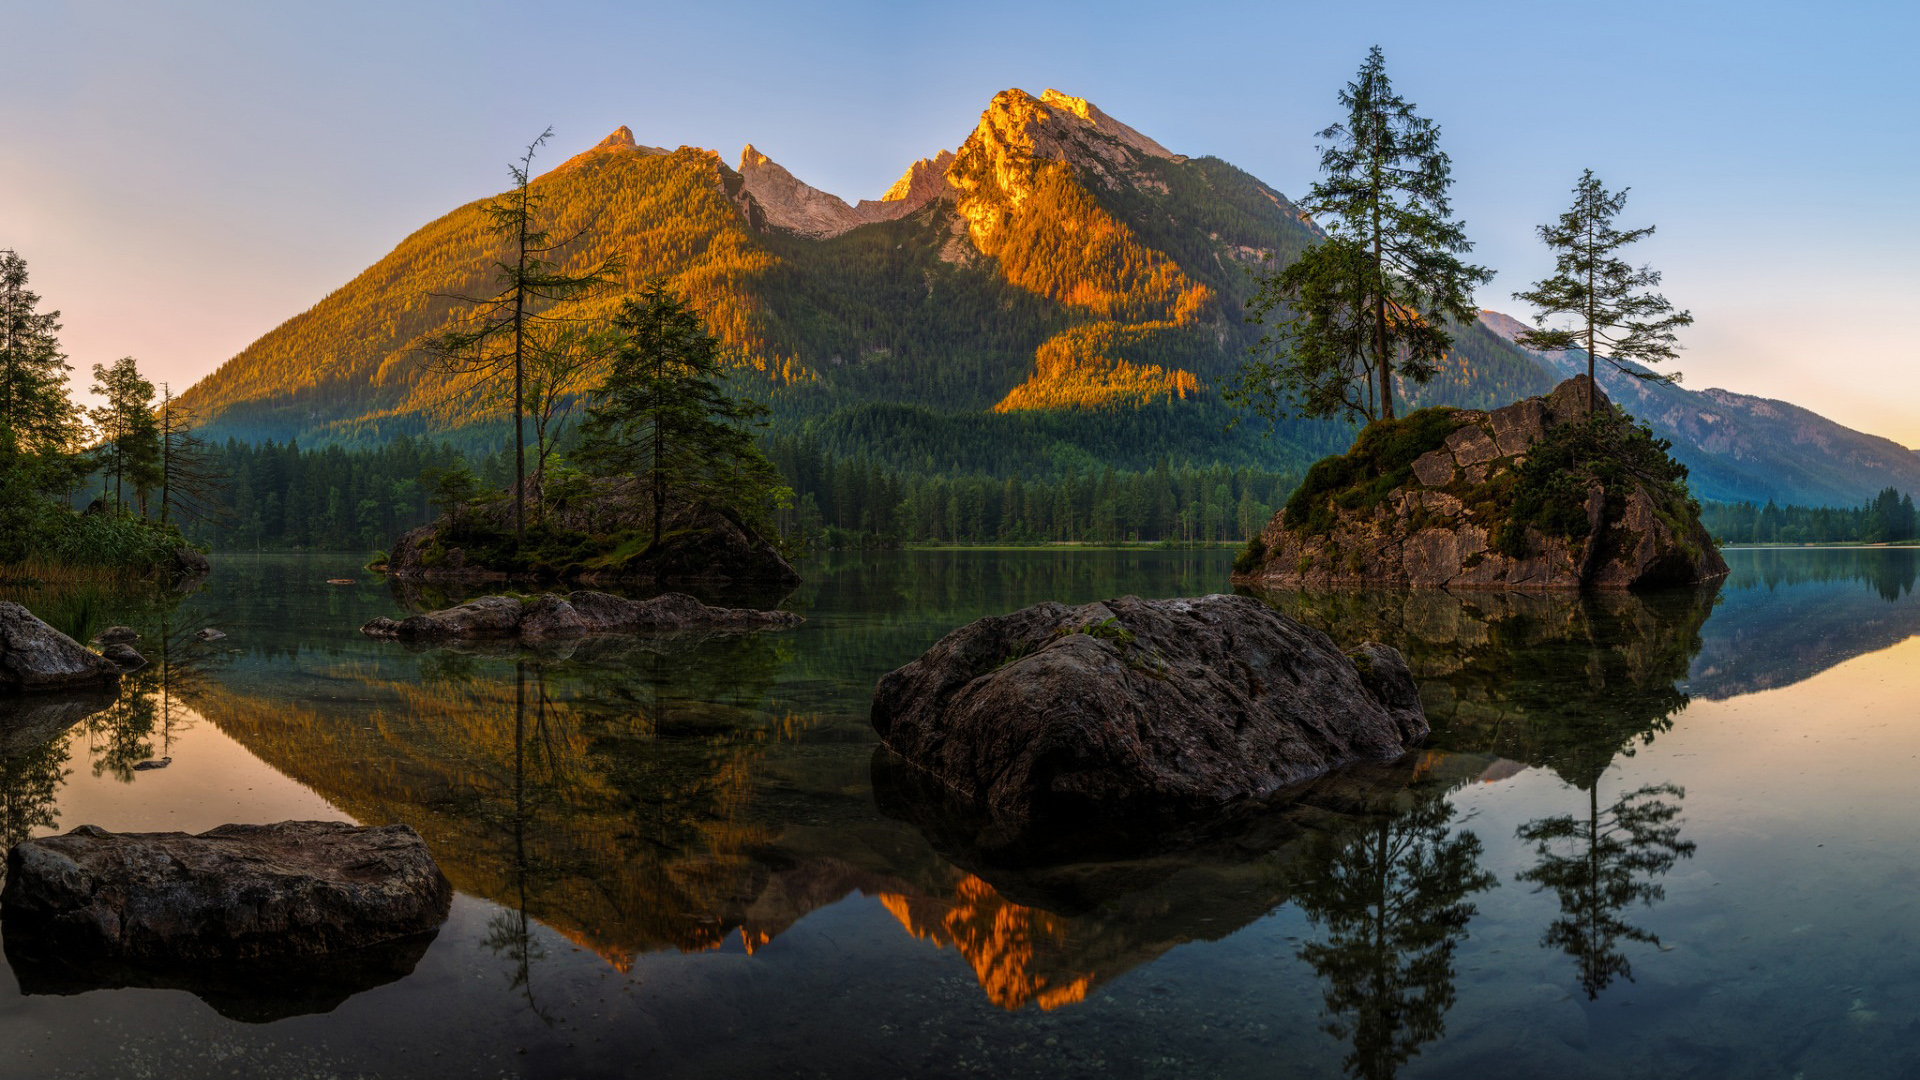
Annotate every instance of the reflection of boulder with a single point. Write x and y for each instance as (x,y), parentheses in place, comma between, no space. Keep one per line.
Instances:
(253,992)
(29,723)
(1045,932)
(1134,707)
(238,892)
(1561,680)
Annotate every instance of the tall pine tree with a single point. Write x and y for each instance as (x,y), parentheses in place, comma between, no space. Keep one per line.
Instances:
(1372,301)
(1603,293)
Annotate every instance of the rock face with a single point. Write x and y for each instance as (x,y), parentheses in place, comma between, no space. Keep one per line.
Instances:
(238,892)
(35,656)
(1442,525)
(574,615)
(1136,707)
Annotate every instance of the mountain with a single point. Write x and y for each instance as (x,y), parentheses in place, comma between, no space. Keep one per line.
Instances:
(1739,447)
(1058,292)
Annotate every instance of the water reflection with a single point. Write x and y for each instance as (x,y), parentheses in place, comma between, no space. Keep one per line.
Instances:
(1599,865)
(1391,903)
(1569,683)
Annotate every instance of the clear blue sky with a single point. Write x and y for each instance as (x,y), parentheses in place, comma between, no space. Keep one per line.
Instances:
(182,177)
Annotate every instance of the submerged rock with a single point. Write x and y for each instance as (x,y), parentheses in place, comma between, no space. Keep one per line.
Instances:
(35,656)
(574,615)
(238,892)
(117,635)
(1140,707)
(1529,496)
(209,634)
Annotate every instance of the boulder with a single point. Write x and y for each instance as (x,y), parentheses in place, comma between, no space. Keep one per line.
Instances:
(35,656)
(117,635)
(188,563)
(124,655)
(1132,707)
(1457,512)
(575,615)
(238,892)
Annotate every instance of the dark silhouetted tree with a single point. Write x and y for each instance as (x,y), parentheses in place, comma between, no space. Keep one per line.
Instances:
(1608,300)
(497,335)
(1372,301)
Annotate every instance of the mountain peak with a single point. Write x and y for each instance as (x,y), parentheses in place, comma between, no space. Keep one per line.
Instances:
(619,141)
(790,203)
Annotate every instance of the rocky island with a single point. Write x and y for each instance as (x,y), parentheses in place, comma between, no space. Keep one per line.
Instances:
(1540,494)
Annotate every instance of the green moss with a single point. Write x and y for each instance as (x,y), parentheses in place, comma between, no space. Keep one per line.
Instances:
(1381,460)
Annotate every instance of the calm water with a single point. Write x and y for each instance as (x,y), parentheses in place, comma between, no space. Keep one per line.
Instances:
(1660,837)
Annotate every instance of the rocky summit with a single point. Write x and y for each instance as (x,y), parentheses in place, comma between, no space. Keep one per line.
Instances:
(1540,494)
(1056,716)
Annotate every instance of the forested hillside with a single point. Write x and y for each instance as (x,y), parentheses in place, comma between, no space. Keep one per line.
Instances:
(1064,296)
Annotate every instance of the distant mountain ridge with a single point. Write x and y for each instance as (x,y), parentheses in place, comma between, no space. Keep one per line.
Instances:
(1059,292)
(1739,447)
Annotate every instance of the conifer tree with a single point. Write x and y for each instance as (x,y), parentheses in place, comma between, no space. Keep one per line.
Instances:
(494,338)
(663,416)
(1603,293)
(35,412)
(1372,300)
(129,438)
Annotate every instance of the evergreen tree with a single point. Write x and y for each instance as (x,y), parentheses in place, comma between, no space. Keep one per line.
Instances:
(1372,300)
(1603,293)
(496,336)
(129,449)
(35,413)
(663,416)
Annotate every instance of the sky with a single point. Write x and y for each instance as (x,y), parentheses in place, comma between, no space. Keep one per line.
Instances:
(181,178)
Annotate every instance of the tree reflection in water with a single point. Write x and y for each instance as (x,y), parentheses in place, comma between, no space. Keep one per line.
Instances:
(1598,867)
(510,930)
(1392,904)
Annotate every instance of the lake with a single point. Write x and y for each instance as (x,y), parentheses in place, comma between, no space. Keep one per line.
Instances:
(1649,836)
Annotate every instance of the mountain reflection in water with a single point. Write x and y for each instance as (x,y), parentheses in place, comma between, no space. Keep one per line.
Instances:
(655,802)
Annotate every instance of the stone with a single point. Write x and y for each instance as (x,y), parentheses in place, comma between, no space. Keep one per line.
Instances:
(209,634)
(1519,425)
(153,763)
(124,655)
(1134,707)
(35,656)
(238,892)
(1471,446)
(548,616)
(188,563)
(578,613)
(117,635)
(1434,468)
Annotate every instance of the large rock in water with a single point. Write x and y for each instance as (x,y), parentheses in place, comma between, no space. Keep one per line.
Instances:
(35,656)
(1136,707)
(576,614)
(238,892)
(1440,498)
